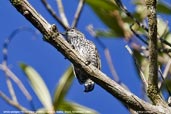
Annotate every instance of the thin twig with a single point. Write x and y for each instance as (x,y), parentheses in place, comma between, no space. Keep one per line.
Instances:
(78,13)
(161,50)
(106,52)
(10,38)
(108,57)
(138,67)
(167,87)
(124,9)
(137,35)
(4,62)
(109,60)
(13,103)
(9,74)
(62,13)
(11,89)
(4,66)
(53,13)
(8,81)
(165,73)
(111,66)
(12,76)
(165,50)
(165,42)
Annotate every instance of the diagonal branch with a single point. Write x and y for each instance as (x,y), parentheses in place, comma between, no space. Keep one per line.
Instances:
(107,55)
(62,12)
(138,67)
(4,66)
(52,12)
(78,13)
(15,104)
(11,75)
(54,38)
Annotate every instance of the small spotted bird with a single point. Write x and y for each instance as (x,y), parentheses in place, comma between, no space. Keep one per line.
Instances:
(86,49)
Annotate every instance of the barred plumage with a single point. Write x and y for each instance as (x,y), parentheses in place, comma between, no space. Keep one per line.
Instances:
(86,49)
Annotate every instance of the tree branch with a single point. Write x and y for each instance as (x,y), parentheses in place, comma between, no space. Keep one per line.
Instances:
(53,14)
(152,90)
(10,74)
(15,104)
(54,38)
(106,53)
(78,13)
(62,12)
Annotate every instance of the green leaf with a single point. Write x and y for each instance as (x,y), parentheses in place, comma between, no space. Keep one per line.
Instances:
(162,27)
(163,8)
(105,10)
(38,86)
(74,108)
(63,87)
(168,37)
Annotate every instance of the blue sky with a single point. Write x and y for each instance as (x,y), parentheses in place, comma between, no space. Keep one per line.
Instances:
(51,64)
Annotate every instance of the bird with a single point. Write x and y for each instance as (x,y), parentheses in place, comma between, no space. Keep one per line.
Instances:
(88,51)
